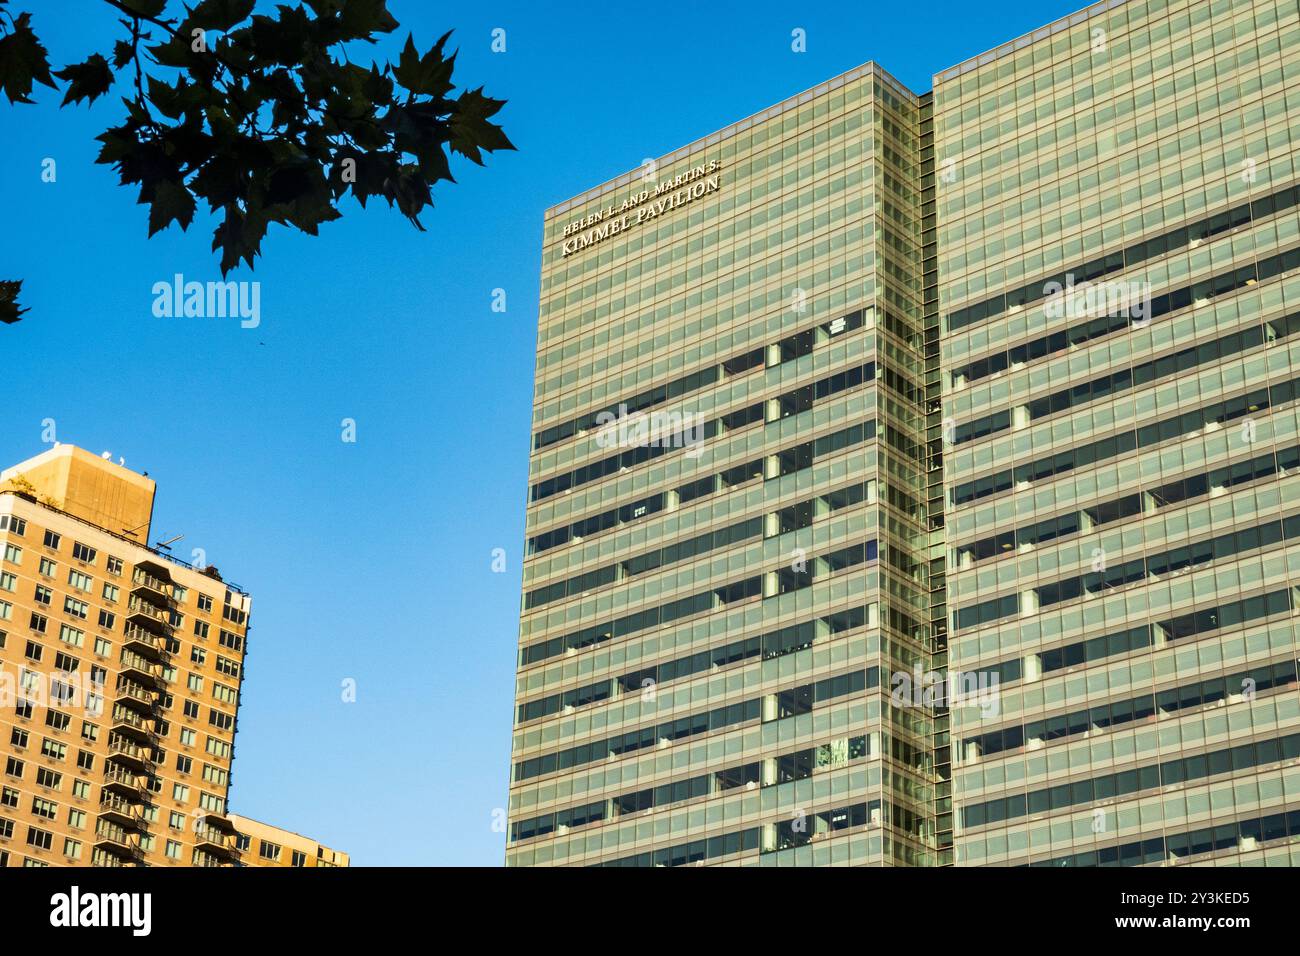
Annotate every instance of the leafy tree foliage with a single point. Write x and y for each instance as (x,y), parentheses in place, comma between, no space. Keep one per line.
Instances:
(262,116)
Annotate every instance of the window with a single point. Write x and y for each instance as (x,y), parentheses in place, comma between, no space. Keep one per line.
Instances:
(269,851)
(65,662)
(41,839)
(76,608)
(219,720)
(52,540)
(23,709)
(79,580)
(187,736)
(299,858)
(89,731)
(8,581)
(39,623)
(111,592)
(180,793)
(227,695)
(198,656)
(6,829)
(6,614)
(212,803)
(228,667)
(191,710)
(176,820)
(43,595)
(13,554)
(85,760)
(18,739)
(81,790)
(200,628)
(232,641)
(215,775)
(103,647)
(70,635)
(72,848)
(57,720)
(9,798)
(195,683)
(218,747)
(241,842)
(48,778)
(173,850)
(83,552)
(13,524)
(53,749)
(76,818)
(106,620)
(34,651)
(205,603)
(113,565)
(180,593)
(14,767)
(46,809)
(49,568)
(184,764)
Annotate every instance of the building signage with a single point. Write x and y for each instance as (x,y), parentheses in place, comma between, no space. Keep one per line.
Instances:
(648,204)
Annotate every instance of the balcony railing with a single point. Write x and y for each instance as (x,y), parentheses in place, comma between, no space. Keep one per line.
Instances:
(128,689)
(119,746)
(222,842)
(104,858)
(136,605)
(142,579)
(110,802)
(150,641)
(124,718)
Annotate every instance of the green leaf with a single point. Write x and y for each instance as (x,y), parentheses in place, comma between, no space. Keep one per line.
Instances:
(471,131)
(145,8)
(172,202)
(86,81)
(429,74)
(122,54)
(23,59)
(219,15)
(360,18)
(10,312)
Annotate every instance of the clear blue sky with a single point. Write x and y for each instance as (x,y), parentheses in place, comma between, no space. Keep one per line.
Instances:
(372,560)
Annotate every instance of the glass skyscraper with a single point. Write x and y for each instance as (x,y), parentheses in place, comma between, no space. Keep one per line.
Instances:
(912,475)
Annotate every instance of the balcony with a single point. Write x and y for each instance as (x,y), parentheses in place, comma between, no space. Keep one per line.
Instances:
(121,810)
(215,841)
(116,840)
(128,752)
(103,858)
(142,668)
(143,640)
(145,613)
(136,695)
(152,587)
(126,720)
(202,858)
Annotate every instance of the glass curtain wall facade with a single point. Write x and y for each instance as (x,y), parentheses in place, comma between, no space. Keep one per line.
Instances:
(1119,285)
(913,476)
(726,519)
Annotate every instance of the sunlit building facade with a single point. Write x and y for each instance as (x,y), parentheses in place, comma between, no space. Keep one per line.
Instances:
(1119,282)
(912,476)
(120,674)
